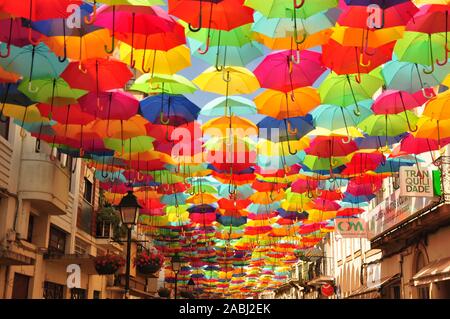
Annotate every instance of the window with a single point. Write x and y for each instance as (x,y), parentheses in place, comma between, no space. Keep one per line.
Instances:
(423,291)
(20,286)
(77,293)
(87,190)
(53,291)
(57,241)
(396,292)
(30,229)
(4,127)
(96,294)
(81,247)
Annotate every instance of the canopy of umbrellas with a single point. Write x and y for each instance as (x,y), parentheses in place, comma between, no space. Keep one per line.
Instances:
(352,91)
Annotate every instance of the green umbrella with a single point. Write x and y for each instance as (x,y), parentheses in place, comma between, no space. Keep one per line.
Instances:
(137,144)
(228,55)
(344,90)
(235,37)
(421,48)
(284,27)
(315,163)
(163,83)
(283,8)
(388,124)
(409,77)
(51,91)
(236,105)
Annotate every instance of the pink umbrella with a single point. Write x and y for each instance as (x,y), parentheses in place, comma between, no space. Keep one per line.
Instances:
(13,32)
(112,105)
(304,185)
(346,212)
(417,145)
(285,72)
(394,102)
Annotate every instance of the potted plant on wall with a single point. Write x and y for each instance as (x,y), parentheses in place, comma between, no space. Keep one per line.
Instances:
(164,292)
(148,262)
(108,264)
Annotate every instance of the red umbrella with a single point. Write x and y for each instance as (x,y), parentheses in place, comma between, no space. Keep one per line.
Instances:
(329,146)
(349,211)
(349,60)
(12,31)
(325,205)
(128,19)
(97,75)
(69,114)
(220,15)
(304,185)
(363,162)
(281,71)
(398,15)
(394,101)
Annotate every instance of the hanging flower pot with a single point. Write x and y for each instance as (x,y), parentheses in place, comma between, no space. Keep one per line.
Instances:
(108,264)
(147,263)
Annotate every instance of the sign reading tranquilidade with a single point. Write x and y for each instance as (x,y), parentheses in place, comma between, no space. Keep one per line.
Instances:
(414,183)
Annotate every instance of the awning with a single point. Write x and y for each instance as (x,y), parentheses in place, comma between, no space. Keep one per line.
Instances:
(372,292)
(85,261)
(321,280)
(438,270)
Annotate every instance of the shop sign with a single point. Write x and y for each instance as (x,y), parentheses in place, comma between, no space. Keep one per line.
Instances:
(393,211)
(351,227)
(415,183)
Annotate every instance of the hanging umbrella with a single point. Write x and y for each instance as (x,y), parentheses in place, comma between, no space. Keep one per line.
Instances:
(163,83)
(231,81)
(437,108)
(356,16)
(68,114)
(98,75)
(285,72)
(211,14)
(157,61)
(345,90)
(236,104)
(13,32)
(32,61)
(388,124)
(169,109)
(278,105)
(280,9)
(113,105)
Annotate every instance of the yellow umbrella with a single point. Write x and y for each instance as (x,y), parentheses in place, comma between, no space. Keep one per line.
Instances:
(269,148)
(221,126)
(319,216)
(164,62)
(266,198)
(433,129)
(26,114)
(202,198)
(342,132)
(282,105)
(233,80)
(438,108)
(286,43)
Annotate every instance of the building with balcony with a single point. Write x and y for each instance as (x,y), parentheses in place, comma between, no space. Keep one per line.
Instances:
(48,209)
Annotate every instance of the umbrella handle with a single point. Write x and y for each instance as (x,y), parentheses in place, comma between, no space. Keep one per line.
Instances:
(91,19)
(140,176)
(162,120)
(296,59)
(31,89)
(429,71)
(424,93)
(290,130)
(303,38)
(204,51)
(290,150)
(361,61)
(30,37)
(358,78)
(298,5)
(80,67)
(8,47)
(104,175)
(200,20)
(409,124)
(347,139)
(8,52)
(444,62)
(228,78)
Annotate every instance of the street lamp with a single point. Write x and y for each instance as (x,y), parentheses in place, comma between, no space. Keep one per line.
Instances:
(129,212)
(176,266)
(190,287)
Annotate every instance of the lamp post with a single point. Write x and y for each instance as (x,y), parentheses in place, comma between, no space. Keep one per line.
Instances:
(190,287)
(176,266)
(129,212)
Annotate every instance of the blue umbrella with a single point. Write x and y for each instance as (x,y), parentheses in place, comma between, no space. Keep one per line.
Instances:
(172,110)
